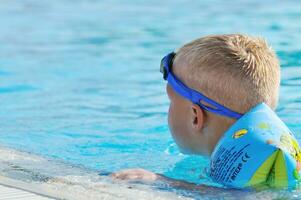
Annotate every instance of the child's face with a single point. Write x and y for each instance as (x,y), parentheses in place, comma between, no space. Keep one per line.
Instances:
(181,119)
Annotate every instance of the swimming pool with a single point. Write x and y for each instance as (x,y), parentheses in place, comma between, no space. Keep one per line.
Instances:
(79,80)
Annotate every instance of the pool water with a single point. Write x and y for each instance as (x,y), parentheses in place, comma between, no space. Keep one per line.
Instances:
(80,81)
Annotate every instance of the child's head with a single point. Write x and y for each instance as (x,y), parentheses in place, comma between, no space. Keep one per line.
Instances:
(237,71)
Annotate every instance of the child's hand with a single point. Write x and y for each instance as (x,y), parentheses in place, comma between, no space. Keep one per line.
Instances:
(135,174)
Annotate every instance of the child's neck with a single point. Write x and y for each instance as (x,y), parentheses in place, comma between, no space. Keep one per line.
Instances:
(217,131)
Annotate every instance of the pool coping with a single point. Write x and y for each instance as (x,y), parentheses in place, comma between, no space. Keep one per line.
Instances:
(8,192)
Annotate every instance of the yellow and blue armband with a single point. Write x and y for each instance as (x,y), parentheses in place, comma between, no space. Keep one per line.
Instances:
(258,149)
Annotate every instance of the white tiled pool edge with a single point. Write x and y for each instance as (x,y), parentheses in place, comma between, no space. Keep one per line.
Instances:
(39,175)
(13,193)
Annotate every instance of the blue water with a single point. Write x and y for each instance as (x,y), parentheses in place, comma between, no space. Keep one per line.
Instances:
(79,80)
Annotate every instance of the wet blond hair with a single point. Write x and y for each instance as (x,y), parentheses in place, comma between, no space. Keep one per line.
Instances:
(237,71)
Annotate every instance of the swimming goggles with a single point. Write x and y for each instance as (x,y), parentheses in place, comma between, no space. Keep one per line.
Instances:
(190,94)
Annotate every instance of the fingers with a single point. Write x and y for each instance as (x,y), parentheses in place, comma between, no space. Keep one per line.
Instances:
(130,174)
(125,176)
(118,175)
(134,174)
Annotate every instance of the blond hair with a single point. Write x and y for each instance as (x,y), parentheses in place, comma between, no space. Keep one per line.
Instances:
(237,71)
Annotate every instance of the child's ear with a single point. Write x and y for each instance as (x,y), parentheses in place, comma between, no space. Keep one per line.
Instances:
(198,117)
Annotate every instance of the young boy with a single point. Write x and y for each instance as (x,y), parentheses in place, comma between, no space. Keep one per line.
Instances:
(212,82)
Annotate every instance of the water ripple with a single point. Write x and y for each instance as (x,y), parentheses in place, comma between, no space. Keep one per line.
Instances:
(17,88)
(5,73)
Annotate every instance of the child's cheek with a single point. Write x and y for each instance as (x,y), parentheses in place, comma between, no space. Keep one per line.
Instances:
(169,116)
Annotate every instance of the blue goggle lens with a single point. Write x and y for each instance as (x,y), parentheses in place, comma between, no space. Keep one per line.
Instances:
(166,64)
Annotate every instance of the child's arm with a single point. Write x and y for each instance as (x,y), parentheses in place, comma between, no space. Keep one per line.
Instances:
(208,191)
(150,177)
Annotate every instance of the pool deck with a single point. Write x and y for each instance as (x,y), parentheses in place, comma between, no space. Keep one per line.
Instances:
(9,193)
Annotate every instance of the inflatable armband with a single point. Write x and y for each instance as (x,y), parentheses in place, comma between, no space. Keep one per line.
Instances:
(258,149)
